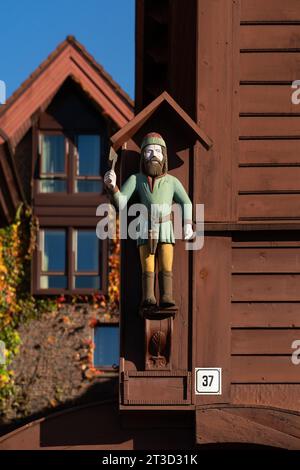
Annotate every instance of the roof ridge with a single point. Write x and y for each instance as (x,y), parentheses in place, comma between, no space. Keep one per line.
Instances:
(70,39)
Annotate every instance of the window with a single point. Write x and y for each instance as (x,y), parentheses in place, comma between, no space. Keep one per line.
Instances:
(53,250)
(107,350)
(86,249)
(53,163)
(88,164)
(70,164)
(71,260)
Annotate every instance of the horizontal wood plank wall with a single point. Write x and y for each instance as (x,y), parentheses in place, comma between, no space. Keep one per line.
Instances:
(270,10)
(265,314)
(269,121)
(278,395)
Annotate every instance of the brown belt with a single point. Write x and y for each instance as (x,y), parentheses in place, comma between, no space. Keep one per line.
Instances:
(160,220)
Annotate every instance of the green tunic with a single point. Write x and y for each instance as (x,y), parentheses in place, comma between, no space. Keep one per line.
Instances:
(166,189)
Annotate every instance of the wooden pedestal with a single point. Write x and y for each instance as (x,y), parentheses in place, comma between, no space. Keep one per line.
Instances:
(158,337)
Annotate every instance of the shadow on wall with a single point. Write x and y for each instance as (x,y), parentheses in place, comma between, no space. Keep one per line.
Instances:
(102,426)
(103,389)
(84,426)
(105,427)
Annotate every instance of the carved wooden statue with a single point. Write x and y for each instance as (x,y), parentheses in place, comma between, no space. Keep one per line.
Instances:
(156,190)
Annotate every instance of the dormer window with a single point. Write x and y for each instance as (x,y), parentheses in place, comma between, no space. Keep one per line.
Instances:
(69,163)
(53,168)
(88,164)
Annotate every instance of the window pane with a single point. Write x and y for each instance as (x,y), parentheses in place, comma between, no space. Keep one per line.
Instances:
(88,186)
(106,351)
(53,250)
(53,154)
(87,282)
(86,251)
(53,282)
(52,186)
(88,163)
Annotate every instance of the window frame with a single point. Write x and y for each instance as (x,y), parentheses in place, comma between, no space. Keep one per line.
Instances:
(112,322)
(70,264)
(70,175)
(53,175)
(77,273)
(76,177)
(41,246)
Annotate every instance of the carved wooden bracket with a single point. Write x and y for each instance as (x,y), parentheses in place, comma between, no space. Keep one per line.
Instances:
(158,343)
(157,313)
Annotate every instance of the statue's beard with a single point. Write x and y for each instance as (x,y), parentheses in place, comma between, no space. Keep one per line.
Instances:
(153,167)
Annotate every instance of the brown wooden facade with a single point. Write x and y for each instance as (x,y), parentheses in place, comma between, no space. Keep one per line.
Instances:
(229,65)
(11,192)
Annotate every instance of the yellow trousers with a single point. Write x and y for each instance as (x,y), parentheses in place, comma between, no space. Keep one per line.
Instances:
(165,257)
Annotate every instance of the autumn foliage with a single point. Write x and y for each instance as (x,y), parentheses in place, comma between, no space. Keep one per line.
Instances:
(17,305)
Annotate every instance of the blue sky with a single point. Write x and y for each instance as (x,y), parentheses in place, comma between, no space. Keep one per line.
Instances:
(31,29)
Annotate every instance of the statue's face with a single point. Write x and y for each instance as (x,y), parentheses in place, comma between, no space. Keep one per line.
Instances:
(153,159)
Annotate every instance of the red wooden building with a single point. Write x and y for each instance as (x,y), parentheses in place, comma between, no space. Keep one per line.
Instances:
(233,133)
(54,145)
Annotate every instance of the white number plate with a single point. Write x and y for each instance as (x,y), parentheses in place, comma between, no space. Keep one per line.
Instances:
(208,381)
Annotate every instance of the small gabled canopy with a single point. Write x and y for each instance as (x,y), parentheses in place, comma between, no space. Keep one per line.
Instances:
(162,115)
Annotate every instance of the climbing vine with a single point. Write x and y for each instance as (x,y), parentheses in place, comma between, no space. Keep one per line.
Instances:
(17,305)
(106,309)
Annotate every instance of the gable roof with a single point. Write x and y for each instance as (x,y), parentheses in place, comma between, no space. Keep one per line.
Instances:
(164,100)
(70,59)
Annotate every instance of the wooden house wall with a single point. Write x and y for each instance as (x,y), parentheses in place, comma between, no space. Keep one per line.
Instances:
(217,107)
(244,283)
(246,316)
(166,52)
(265,319)
(265,271)
(269,158)
(247,58)
(23,161)
(10,193)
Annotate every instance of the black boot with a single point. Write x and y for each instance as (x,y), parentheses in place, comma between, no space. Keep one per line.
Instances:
(165,279)
(148,299)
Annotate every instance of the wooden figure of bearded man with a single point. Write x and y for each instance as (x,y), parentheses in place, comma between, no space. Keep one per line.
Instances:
(156,188)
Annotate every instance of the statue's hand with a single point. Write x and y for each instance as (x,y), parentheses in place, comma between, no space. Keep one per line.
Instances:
(188,231)
(110,179)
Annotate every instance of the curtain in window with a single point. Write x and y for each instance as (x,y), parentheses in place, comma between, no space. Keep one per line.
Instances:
(53,154)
